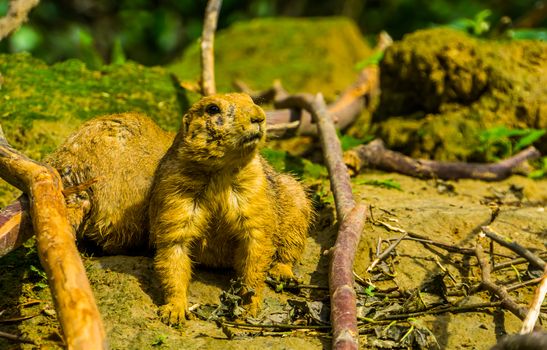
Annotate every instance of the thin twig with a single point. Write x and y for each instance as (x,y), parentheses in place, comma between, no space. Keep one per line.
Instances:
(499,291)
(386,252)
(16,16)
(440,310)
(16,338)
(514,246)
(207,47)
(283,326)
(533,314)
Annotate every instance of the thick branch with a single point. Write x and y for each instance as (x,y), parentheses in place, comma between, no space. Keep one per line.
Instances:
(207,47)
(76,309)
(351,218)
(342,294)
(17,14)
(374,154)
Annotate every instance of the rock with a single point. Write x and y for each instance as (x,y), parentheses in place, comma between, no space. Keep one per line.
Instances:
(441,87)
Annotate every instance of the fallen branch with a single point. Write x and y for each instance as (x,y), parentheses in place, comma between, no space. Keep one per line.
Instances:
(351,218)
(515,247)
(375,155)
(287,121)
(76,309)
(17,15)
(499,291)
(535,306)
(207,47)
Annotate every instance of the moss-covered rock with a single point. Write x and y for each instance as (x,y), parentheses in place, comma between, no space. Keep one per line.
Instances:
(441,88)
(308,55)
(40,105)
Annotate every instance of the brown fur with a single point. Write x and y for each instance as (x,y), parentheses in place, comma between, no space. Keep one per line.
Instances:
(213,199)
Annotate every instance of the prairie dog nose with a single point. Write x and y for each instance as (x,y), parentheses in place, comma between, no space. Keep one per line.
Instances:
(258,115)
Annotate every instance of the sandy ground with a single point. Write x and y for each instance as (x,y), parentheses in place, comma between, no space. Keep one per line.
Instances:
(128,292)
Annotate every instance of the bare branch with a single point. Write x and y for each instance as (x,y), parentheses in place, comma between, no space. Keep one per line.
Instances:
(76,308)
(374,154)
(16,16)
(207,47)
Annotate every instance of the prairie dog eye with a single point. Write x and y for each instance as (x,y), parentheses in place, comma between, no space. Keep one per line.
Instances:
(212,109)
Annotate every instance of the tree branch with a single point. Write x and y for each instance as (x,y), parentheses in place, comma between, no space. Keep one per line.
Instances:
(76,309)
(374,154)
(351,218)
(17,14)
(208,48)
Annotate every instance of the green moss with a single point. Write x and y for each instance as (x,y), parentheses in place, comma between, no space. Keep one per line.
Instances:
(443,87)
(308,55)
(41,105)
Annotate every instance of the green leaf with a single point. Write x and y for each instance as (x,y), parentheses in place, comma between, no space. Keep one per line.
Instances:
(532,136)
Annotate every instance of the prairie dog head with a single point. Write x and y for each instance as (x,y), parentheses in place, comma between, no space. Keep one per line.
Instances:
(223,127)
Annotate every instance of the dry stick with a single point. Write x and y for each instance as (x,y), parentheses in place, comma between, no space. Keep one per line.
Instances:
(374,154)
(76,309)
(499,291)
(16,338)
(17,14)
(351,217)
(514,246)
(535,306)
(208,48)
(386,252)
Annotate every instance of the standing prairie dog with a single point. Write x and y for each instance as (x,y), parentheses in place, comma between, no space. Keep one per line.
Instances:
(216,201)
(203,195)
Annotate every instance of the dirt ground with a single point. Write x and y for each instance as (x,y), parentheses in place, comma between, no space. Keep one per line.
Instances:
(128,293)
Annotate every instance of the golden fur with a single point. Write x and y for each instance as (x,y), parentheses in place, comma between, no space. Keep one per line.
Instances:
(213,199)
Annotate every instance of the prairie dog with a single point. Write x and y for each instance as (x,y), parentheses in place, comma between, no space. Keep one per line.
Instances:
(216,201)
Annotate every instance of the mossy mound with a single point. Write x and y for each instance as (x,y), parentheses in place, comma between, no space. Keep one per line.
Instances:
(308,55)
(441,88)
(41,105)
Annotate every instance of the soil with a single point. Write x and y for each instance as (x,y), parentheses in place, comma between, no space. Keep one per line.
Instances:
(128,293)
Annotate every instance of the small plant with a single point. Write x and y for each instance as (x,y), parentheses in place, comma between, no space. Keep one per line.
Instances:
(502,142)
(348,142)
(478,26)
(388,183)
(541,169)
(42,283)
(160,340)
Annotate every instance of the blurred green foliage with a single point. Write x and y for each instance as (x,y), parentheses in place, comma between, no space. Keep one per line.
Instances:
(156,32)
(502,142)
